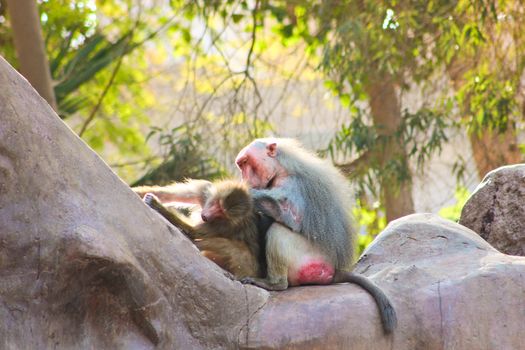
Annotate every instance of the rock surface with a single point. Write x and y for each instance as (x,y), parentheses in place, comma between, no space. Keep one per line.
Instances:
(451,290)
(85,265)
(496,209)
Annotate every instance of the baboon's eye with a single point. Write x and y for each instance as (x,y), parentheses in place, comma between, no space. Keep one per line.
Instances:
(242,161)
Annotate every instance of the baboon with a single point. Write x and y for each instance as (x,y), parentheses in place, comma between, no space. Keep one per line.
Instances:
(232,231)
(313,198)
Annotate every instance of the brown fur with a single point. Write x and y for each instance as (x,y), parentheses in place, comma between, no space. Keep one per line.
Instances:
(229,238)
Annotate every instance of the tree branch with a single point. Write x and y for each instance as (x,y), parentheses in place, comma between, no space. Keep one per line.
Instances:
(357,167)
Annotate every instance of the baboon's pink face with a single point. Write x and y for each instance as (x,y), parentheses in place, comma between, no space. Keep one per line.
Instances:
(258,164)
(213,210)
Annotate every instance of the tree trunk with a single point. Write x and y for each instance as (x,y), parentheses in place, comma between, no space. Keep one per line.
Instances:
(490,149)
(29,45)
(386,114)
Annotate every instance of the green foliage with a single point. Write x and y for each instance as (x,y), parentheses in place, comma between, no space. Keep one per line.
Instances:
(7,50)
(453,212)
(97,59)
(185,156)
(423,133)
(79,68)
(93,56)
(479,44)
(361,44)
(489,102)
(356,137)
(370,220)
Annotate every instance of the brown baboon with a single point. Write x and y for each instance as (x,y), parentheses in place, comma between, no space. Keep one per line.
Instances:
(231,232)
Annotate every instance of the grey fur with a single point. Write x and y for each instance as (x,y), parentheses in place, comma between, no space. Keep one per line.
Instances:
(321,196)
(320,192)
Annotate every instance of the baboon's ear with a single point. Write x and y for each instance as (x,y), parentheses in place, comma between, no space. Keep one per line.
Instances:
(272,149)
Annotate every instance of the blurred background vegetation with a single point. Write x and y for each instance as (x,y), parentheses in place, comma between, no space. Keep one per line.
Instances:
(415,100)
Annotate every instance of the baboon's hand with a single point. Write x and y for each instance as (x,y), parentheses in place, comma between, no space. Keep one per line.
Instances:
(247,280)
(150,199)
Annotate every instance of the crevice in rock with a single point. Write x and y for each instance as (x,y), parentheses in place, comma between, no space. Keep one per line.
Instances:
(442,332)
(39,258)
(488,217)
(249,317)
(247,324)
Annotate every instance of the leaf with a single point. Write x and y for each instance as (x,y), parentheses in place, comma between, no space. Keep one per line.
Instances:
(237,18)
(345,100)
(88,62)
(70,105)
(63,50)
(287,30)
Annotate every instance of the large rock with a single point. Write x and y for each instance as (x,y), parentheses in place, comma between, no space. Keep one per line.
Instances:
(451,289)
(85,265)
(496,209)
